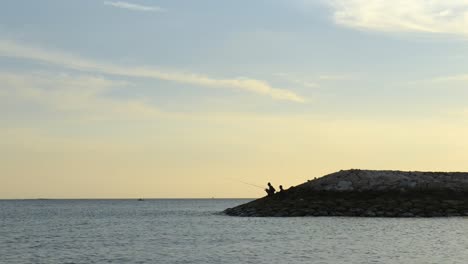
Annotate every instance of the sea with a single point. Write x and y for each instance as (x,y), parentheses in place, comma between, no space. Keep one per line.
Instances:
(195,231)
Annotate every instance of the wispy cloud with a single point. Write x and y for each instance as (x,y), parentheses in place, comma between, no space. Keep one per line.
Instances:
(13,49)
(81,95)
(294,79)
(134,7)
(434,16)
(451,78)
(314,81)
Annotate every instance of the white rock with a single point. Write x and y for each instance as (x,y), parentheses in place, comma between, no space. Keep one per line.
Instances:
(344,186)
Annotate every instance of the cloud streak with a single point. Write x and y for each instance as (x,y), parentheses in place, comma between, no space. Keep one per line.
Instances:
(293,79)
(134,7)
(77,95)
(452,78)
(433,16)
(13,49)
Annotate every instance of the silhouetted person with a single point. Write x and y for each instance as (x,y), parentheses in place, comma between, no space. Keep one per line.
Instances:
(270,190)
(281,188)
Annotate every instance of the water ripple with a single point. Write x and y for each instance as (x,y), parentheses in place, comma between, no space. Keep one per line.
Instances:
(193,231)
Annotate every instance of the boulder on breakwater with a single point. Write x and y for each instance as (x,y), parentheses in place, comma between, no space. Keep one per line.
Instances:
(368,193)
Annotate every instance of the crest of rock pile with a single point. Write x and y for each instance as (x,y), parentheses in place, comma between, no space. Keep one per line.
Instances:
(387,180)
(368,193)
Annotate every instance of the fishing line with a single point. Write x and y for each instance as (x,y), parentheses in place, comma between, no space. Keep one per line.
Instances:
(247,183)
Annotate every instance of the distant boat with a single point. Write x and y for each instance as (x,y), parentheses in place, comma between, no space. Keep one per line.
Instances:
(140,200)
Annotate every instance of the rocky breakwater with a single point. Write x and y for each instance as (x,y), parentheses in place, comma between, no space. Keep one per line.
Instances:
(369,194)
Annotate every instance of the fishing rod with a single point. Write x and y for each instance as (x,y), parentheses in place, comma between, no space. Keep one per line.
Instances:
(251,184)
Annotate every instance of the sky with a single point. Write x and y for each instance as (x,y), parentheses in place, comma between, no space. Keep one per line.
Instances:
(189,99)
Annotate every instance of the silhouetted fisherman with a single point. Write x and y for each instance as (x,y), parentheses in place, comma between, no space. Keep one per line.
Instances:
(281,188)
(270,190)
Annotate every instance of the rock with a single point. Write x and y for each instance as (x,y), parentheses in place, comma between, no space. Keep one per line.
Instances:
(369,213)
(368,193)
(407,214)
(408,184)
(344,186)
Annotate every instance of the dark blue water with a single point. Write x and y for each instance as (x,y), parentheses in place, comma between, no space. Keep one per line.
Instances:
(193,231)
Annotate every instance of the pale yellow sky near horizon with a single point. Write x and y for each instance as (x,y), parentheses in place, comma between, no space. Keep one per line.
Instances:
(188,162)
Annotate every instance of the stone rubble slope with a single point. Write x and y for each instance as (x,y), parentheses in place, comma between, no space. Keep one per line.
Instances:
(368,193)
(388,180)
